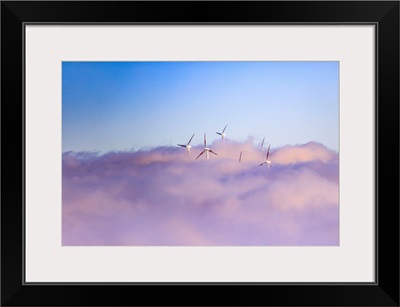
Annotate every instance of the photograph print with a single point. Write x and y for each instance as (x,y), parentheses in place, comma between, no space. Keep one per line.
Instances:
(200,153)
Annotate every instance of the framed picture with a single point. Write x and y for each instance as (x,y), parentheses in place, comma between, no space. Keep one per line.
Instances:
(239,146)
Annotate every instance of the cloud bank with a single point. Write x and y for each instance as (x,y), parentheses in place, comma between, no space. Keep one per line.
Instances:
(163,196)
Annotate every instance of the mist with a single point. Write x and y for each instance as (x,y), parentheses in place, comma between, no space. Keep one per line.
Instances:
(165,197)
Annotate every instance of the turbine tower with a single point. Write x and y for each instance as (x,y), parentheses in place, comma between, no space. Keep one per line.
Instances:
(206,149)
(222,134)
(188,146)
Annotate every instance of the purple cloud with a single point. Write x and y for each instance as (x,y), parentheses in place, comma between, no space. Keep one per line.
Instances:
(164,196)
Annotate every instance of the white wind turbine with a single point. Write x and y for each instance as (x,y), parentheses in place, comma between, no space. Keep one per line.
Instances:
(222,134)
(267,160)
(206,149)
(188,146)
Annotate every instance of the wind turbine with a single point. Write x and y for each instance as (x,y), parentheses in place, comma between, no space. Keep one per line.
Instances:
(206,149)
(188,146)
(222,134)
(267,161)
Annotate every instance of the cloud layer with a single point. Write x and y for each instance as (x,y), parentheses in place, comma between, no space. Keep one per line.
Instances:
(164,196)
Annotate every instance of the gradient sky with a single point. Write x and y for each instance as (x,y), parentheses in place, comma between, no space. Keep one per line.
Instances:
(118,106)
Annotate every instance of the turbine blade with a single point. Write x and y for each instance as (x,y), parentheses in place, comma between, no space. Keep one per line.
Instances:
(268,151)
(262,164)
(200,154)
(181,145)
(205,142)
(213,152)
(190,139)
(262,144)
(240,157)
(224,128)
(218,133)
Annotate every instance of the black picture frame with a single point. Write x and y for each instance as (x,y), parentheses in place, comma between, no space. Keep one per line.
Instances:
(383,14)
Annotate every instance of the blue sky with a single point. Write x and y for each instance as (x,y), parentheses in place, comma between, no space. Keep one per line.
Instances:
(114,106)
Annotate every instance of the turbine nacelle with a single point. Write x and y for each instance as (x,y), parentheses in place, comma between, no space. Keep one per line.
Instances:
(206,150)
(267,160)
(222,134)
(187,146)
